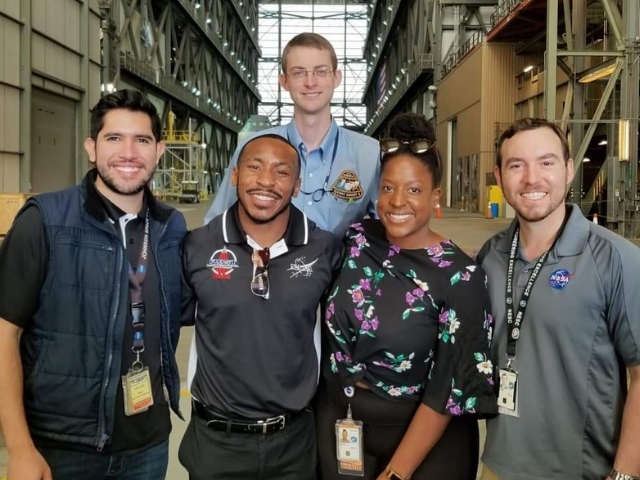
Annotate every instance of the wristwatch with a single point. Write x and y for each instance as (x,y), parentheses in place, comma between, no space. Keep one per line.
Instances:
(616,475)
(391,475)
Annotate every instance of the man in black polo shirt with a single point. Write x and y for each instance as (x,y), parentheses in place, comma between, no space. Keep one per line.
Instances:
(255,276)
(75,332)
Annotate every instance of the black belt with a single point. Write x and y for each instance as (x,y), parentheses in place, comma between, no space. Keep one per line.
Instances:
(215,421)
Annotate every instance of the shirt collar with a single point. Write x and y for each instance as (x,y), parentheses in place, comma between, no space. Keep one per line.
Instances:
(114,213)
(327,145)
(572,240)
(297,232)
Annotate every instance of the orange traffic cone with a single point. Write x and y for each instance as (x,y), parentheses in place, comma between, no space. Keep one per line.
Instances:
(438,211)
(595,218)
(488,213)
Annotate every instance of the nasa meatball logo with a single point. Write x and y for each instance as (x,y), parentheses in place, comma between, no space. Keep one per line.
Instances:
(222,263)
(560,279)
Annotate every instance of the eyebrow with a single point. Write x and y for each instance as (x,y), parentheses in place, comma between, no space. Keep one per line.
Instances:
(120,134)
(540,157)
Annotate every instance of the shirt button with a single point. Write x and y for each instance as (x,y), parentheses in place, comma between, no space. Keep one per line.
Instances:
(526,270)
(309,203)
(311,174)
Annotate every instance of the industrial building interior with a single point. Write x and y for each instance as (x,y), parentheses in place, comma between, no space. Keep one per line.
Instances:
(210,67)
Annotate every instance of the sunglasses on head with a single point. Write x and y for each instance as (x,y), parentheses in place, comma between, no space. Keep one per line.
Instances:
(392,145)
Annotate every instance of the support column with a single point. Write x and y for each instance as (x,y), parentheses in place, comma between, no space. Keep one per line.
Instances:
(551,63)
(578,42)
(83,115)
(629,111)
(25,96)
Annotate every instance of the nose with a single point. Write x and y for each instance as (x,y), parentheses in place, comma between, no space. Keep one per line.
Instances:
(128,149)
(530,175)
(397,199)
(310,79)
(266,178)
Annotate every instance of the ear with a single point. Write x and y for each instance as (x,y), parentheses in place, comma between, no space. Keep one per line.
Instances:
(234,176)
(496,173)
(160,149)
(337,78)
(90,148)
(435,195)
(570,171)
(296,187)
(282,80)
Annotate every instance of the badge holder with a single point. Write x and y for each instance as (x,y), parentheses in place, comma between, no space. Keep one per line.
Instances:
(136,384)
(349,445)
(508,391)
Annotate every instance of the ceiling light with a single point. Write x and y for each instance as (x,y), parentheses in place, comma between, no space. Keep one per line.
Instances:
(586,159)
(528,68)
(602,142)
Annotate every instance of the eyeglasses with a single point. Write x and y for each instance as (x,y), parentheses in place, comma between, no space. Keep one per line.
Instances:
(421,145)
(301,73)
(260,280)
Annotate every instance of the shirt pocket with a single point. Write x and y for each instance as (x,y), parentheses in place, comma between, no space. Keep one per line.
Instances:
(83,264)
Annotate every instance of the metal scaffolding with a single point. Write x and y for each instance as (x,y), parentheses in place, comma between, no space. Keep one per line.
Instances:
(601,57)
(195,58)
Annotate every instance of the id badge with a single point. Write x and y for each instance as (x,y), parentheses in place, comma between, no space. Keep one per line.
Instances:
(508,393)
(136,386)
(349,448)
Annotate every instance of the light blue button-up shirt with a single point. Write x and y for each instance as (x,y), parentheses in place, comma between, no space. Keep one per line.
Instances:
(353,178)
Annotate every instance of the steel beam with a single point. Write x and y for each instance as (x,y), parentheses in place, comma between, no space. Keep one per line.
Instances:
(25,96)
(551,75)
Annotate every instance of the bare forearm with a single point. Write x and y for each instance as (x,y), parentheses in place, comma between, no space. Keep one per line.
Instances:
(627,458)
(12,415)
(423,433)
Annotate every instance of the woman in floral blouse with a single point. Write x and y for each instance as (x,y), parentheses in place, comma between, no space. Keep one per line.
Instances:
(409,328)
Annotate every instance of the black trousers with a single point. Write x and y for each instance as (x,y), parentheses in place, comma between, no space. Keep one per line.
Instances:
(454,457)
(289,454)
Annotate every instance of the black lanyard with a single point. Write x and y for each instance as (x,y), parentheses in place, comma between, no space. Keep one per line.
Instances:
(136,279)
(325,186)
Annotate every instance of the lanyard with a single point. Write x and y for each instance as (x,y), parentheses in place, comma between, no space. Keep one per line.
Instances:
(136,279)
(514,325)
(325,185)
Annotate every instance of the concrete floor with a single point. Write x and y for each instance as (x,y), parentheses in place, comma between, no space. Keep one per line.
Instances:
(469,231)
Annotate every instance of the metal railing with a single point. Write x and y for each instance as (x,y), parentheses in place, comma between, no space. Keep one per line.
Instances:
(459,53)
(504,8)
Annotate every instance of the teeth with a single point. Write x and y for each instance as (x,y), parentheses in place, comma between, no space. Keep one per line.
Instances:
(397,216)
(263,198)
(311,95)
(534,195)
(128,169)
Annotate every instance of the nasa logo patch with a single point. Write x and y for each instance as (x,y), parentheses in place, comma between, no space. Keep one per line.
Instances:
(559,279)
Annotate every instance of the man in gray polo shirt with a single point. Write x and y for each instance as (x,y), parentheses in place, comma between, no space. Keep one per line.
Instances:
(566,301)
(254,277)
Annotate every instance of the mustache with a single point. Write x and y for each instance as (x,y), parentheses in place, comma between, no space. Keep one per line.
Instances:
(262,190)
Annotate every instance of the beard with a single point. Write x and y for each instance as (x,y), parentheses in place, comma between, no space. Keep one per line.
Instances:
(122,187)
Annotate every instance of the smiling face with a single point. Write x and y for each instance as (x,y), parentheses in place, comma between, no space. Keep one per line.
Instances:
(534,174)
(406,198)
(311,94)
(267,177)
(125,153)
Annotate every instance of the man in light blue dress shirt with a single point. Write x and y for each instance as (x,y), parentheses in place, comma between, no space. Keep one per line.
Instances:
(340,168)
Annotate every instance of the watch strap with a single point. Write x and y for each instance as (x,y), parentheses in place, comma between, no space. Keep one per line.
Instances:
(616,475)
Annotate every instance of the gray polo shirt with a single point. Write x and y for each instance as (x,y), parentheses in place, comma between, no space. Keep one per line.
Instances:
(581,328)
(256,357)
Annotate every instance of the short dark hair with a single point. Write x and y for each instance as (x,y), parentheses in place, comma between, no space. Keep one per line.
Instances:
(313,40)
(529,123)
(131,100)
(276,137)
(412,126)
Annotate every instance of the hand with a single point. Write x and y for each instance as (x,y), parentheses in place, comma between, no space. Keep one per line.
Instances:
(28,464)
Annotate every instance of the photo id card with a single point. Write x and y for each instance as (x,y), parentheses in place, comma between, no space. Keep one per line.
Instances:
(136,386)
(349,448)
(508,392)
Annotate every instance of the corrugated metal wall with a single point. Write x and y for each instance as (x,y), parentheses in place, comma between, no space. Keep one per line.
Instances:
(60,41)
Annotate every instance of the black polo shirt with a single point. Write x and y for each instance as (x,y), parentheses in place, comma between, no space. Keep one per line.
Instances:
(24,258)
(256,357)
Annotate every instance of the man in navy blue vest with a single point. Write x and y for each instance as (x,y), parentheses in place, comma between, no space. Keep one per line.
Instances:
(90,312)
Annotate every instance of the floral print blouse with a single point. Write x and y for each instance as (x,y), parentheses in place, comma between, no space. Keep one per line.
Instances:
(412,324)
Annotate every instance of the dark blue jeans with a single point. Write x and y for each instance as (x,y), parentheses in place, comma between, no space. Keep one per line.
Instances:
(150,464)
